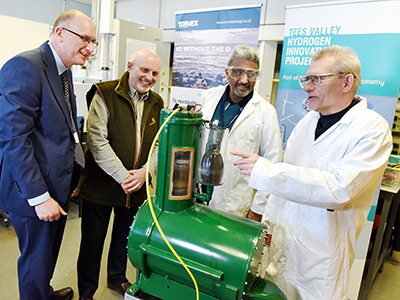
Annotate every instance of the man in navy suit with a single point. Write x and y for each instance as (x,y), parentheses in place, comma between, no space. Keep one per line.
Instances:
(40,148)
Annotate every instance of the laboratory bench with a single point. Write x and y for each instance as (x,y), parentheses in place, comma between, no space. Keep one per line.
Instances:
(381,237)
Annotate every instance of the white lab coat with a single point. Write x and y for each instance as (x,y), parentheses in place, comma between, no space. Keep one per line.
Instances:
(312,249)
(256,130)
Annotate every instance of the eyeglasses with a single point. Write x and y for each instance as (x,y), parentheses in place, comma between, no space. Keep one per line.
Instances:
(85,39)
(316,79)
(238,73)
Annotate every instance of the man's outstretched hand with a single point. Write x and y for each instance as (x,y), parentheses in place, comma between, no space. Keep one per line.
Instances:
(247,161)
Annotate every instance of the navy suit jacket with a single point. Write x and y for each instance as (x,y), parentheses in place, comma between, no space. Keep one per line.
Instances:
(37,144)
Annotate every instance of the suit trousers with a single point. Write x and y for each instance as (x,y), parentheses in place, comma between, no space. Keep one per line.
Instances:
(95,222)
(39,244)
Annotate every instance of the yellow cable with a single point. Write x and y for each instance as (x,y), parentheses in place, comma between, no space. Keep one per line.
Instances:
(151,205)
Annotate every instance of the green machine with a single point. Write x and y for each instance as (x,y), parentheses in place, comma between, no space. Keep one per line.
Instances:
(214,255)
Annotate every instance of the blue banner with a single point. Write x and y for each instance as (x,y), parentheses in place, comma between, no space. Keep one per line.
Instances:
(220,19)
(297,53)
(377,44)
(203,42)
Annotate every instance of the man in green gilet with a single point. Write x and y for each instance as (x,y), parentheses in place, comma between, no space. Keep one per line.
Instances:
(123,120)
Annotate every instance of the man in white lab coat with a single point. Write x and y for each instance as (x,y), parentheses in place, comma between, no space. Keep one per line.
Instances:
(253,127)
(321,194)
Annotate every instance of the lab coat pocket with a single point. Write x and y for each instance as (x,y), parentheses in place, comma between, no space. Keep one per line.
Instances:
(239,202)
(247,144)
(308,268)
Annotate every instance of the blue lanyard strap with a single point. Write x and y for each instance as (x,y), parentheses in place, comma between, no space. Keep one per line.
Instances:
(241,103)
(221,115)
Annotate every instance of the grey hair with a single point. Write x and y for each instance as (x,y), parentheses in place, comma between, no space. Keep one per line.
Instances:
(346,61)
(246,52)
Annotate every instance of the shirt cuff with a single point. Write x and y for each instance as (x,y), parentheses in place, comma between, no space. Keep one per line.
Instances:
(257,169)
(39,199)
(121,175)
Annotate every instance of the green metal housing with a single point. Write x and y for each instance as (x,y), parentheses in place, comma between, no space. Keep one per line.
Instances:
(222,251)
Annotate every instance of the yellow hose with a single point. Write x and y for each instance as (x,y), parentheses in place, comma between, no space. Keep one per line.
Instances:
(151,205)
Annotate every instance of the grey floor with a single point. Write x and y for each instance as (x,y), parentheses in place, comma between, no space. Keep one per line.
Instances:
(65,273)
(386,285)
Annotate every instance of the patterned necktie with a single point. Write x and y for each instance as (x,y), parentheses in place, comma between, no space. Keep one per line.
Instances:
(79,157)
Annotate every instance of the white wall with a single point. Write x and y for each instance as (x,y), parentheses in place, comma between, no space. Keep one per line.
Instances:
(161,13)
(24,34)
(43,11)
(138,11)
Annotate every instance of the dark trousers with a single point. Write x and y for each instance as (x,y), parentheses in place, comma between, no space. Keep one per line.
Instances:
(39,243)
(95,221)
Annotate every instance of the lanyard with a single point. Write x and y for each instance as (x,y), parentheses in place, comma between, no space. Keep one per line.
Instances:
(221,114)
